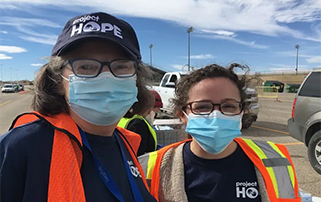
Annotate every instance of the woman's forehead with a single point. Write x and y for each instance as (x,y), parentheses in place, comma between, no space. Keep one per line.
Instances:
(214,89)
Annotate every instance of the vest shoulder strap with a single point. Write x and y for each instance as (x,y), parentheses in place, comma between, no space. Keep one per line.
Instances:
(61,122)
(125,121)
(133,138)
(151,163)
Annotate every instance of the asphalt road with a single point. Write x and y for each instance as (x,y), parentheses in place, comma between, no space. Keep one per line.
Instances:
(271,125)
(11,105)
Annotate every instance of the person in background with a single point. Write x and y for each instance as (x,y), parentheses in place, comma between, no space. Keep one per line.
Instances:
(216,164)
(158,104)
(69,148)
(153,114)
(140,122)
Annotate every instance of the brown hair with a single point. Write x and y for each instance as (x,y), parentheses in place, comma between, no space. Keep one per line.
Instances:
(210,71)
(49,96)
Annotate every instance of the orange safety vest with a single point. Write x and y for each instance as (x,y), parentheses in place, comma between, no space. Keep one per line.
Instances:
(65,182)
(265,156)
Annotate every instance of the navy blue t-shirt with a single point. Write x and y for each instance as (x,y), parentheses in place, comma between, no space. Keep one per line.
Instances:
(229,179)
(108,152)
(25,155)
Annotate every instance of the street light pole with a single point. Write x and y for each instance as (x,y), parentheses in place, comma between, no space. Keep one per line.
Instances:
(17,76)
(189,30)
(150,54)
(1,75)
(297,58)
(10,74)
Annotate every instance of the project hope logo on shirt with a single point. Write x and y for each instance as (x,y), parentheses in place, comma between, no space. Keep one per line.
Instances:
(134,169)
(89,23)
(247,190)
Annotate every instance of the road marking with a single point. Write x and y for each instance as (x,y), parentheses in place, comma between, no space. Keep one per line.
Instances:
(292,143)
(269,129)
(5,103)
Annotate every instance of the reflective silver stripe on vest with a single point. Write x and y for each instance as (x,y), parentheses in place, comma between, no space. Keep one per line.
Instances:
(279,166)
(143,160)
(272,162)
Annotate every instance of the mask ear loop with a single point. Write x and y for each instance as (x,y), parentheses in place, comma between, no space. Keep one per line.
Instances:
(241,118)
(64,77)
(185,114)
(68,81)
(65,64)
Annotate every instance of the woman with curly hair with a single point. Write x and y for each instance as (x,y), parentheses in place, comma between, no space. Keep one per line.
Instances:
(216,164)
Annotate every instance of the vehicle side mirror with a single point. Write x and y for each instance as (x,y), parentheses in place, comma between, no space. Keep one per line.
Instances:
(170,84)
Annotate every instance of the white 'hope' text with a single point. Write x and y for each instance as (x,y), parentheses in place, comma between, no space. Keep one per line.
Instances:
(95,27)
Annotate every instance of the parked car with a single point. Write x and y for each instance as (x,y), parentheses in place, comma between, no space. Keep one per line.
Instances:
(166,90)
(305,123)
(10,88)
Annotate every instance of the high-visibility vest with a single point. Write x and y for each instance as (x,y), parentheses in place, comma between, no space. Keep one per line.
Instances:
(272,160)
(123,123)
(66,157)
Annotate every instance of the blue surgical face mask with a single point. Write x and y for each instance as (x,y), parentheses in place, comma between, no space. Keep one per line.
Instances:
(102,100)
(214,132)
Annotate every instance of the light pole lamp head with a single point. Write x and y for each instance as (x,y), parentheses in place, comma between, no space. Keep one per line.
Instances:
(151,46)
(189,30)
(297,46)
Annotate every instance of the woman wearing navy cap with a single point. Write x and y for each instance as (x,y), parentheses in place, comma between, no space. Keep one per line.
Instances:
(70,148)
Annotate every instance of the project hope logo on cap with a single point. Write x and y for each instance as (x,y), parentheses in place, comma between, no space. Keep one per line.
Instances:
(97,25)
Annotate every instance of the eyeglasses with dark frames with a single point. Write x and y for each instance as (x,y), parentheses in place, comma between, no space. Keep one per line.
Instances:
(228,107)
(91,68)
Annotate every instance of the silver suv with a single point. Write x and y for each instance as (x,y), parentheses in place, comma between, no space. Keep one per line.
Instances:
(305,124)
(10,88)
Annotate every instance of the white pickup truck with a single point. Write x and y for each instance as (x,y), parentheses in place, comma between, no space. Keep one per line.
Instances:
(166,90)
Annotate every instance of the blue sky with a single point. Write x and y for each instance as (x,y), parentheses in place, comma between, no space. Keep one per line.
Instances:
(259,33)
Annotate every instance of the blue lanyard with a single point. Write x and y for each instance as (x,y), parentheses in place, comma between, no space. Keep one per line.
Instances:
(106,176)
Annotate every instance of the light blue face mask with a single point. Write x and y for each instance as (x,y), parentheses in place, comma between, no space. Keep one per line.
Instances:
(214,132)
(102,100)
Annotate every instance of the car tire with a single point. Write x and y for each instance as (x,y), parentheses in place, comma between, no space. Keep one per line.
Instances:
(247,121)
(314,151)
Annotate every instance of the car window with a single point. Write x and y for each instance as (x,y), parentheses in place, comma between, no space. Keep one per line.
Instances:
(312,86)
(173,78)
(7,86)
(165,80)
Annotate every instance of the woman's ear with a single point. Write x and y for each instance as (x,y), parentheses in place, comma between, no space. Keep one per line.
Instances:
(182,117)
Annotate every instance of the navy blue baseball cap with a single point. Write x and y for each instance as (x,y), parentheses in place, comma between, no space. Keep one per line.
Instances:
(97,25)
